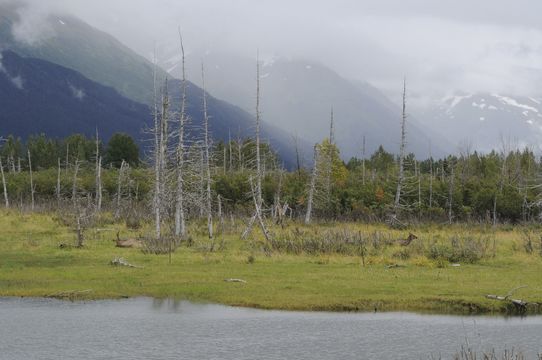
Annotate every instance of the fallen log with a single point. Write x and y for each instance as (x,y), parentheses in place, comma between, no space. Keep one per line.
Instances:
(520,305)
(235,281)
(122,262)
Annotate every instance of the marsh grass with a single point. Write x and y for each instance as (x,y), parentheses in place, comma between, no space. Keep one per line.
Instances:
(335,266)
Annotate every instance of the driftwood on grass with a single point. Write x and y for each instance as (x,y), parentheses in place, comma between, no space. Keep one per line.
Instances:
(520,305)
(122,262)
(235,281)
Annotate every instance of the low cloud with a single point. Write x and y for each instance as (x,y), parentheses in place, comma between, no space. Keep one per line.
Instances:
(32,25)
(16,81)
(76,92)
(441,47)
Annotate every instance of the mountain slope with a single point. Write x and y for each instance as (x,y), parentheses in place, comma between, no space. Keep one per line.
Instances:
(485,120)
(75,45)
(297,96)
(37,96)
(72,43)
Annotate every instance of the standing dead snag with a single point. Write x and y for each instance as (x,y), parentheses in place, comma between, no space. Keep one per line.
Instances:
(258,120)
(157,199)
(401,176)
(180,229)
(74,184)
(312,188)
(122,173)
(257,189)
(98,175)
(6,198)
(32,189)
(451,194)
(207,162)
(363,161)
(58,189)
(259,213)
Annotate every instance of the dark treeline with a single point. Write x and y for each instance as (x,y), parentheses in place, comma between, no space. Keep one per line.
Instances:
(495,187)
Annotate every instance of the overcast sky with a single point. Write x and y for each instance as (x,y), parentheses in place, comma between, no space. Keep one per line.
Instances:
(441,46)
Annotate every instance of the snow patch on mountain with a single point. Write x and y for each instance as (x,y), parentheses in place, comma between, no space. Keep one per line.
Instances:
(512,102)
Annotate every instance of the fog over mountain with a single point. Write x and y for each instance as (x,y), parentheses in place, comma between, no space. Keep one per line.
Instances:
(443,48)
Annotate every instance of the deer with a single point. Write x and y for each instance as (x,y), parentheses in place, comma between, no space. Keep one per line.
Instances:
(408,240)
(127,243)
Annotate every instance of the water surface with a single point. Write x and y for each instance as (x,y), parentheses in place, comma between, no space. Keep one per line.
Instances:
(144,328)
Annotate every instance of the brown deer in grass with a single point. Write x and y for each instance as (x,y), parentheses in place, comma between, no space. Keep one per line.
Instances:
(408,240)
(127,243)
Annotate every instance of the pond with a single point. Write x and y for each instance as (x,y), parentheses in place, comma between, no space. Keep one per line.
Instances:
(144,328)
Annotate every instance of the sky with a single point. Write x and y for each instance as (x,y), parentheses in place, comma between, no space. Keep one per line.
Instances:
(441,47)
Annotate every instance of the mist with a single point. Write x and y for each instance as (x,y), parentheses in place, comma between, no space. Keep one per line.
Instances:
(442,48)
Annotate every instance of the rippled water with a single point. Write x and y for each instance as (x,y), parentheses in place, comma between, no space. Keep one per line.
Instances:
(164,329)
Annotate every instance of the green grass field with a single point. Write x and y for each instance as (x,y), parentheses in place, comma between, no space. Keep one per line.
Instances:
(32,264)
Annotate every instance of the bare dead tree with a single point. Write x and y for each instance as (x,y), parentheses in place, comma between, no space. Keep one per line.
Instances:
(58,188)
(363,161)
(32,189)
(297,156)
(230,149)
(401,176)
(258,214)
(67,164)
(180,228)
(258,120)
(157,198)
(329,159)
(451,194)
(312,187)
(74,183)
(6,198)
(207,161)
(120,180)
(257,191)
(332,129)
(98,174)
(430,178)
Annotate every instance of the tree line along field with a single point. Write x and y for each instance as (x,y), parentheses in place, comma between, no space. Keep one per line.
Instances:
(475,188)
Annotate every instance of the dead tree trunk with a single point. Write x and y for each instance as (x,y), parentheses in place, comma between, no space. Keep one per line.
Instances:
(74,184)
(58,189)
(430,179)
(6,198)
(157,200)
(401,177)
(259,214)
(180,229)
(119,188)
(258,120)
(451,194)
(363,161)
(32,189)
(98,175)
(312,188)
(207,162)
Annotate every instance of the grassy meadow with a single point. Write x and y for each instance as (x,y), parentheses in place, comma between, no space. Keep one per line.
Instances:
(335,267)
